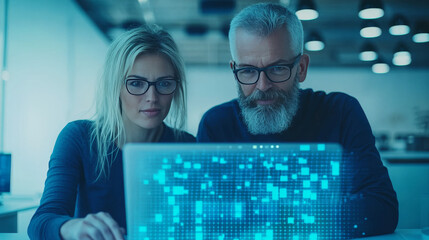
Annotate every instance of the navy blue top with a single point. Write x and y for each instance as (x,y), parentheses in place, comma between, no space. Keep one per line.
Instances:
(325,118)
(70,187)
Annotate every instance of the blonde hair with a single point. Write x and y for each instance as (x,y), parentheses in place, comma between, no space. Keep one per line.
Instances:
(108,126)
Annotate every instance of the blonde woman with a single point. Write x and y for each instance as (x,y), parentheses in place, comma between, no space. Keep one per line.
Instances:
(143,83)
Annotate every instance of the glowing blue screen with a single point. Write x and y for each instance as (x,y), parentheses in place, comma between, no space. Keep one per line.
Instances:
(235,191)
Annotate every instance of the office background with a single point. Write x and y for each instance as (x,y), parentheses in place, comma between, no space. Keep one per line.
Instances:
(54,55)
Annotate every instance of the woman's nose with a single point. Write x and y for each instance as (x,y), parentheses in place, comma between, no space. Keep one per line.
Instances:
(151,95)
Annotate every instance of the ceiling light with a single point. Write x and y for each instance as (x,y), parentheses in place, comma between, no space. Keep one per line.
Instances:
(306,10)
(399,26)
(402,56)
(368,53)
(380,67)
(421,33)
(370,29)
(314,42)
(371,9)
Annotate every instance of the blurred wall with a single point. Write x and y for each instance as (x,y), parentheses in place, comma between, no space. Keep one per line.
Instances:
(55,54)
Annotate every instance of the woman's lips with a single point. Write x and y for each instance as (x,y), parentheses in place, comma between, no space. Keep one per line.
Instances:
(151,112)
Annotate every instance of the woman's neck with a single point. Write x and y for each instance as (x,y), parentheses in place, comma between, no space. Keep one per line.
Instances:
(135,133)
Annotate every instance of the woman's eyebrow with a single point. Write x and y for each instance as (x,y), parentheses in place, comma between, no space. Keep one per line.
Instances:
(136,76)
(143,78)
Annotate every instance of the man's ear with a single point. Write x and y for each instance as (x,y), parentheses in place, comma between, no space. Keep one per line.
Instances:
(303,67)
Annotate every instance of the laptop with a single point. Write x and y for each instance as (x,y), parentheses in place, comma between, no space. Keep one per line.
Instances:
(232,191)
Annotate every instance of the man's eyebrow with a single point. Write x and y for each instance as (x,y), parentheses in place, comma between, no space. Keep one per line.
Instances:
(278,62)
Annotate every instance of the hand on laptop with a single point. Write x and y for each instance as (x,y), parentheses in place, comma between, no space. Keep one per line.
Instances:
(94,226)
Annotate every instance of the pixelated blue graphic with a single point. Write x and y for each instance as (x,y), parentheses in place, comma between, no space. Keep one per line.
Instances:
(260,192)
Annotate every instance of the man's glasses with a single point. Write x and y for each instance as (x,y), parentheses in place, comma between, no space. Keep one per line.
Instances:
(276,73)
(137,86)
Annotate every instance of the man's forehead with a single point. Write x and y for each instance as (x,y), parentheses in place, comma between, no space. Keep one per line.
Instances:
(253,49)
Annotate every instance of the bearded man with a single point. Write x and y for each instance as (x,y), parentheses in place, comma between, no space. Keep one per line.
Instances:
(268,63)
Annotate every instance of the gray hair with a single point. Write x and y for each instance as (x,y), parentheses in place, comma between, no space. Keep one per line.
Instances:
(108,124)
(263,19)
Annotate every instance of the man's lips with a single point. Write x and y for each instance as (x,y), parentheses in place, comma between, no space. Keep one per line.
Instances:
(265,102)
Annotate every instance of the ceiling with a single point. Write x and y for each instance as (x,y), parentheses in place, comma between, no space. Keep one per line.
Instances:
(338,24)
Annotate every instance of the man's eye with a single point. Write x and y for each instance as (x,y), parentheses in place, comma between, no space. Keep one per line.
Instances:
(279,69)
(247,71)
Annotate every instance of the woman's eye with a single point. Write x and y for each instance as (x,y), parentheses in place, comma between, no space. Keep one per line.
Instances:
(164,83)
(136,83)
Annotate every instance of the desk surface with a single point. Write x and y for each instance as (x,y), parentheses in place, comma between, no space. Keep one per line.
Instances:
(17,205)
(399,234)
(13,205)
(402,234)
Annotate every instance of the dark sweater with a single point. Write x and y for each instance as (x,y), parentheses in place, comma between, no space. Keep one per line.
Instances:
(325,118)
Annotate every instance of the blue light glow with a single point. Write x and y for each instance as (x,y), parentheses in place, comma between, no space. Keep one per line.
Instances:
(261,193)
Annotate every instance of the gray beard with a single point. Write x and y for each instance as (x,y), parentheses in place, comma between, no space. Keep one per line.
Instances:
(272,118)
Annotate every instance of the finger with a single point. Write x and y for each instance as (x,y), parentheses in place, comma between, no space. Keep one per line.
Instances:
(100,229)
(112,224)
(88,231)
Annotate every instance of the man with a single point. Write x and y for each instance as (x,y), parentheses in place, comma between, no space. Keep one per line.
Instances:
(266,42)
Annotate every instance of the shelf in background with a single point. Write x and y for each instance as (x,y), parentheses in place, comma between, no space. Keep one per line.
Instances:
(419,157)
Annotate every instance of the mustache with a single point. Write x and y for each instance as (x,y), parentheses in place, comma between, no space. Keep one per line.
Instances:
(259,95)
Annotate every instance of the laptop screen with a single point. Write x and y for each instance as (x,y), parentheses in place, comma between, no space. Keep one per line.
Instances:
(232,191)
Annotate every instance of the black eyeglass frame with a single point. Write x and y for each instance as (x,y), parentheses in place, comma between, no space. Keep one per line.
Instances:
(150,84)
(290,66)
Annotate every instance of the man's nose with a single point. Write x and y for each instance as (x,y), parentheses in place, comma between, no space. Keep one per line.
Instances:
(263,83)
(151,95)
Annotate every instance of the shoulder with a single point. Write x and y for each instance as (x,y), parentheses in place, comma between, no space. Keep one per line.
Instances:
(326,97)
(80,124)
(333,100)
(76,131)
(78,127)
(222,123)
(73,140)
(221,111)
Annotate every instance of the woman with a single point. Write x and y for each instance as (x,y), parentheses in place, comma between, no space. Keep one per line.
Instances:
(84,190)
